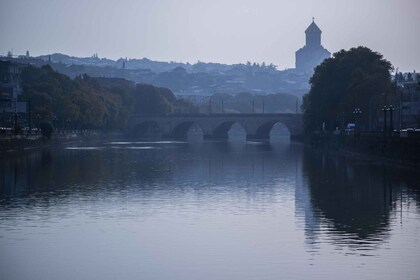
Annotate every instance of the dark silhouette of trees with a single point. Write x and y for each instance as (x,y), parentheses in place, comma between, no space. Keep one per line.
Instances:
(87,103)
(399,77)
(410,77)
(46,129)
(357,78)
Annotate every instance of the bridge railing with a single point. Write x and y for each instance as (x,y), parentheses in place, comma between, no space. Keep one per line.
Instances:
(214,115)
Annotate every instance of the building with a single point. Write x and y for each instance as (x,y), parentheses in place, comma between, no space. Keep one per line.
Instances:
(9,80)
(410,105)
(313,53)
(10,90)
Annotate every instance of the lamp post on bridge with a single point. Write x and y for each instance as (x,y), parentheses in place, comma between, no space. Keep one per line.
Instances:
(357,112)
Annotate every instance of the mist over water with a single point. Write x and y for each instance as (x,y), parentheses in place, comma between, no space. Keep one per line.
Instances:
(131,209)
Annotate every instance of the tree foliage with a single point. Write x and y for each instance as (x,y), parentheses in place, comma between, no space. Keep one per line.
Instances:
(46,129)
(86,102)
(357,78)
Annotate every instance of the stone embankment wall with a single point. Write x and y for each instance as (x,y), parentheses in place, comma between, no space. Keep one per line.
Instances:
(400,148)
(14,143)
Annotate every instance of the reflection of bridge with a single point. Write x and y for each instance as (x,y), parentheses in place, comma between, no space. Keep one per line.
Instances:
(214,126)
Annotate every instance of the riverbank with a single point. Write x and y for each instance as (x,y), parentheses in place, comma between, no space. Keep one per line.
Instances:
(22,143)
(400,149)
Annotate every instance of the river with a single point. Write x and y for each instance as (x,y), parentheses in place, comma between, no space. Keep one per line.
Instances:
(118,209)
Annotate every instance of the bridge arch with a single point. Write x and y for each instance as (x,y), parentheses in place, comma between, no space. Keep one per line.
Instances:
(181,129)
(256,126)
(264,129)
(221,131)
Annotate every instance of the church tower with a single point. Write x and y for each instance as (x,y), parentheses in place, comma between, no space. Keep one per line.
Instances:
(313,35)
(313,53)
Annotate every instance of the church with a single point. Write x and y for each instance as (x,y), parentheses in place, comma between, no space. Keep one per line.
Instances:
(313,53)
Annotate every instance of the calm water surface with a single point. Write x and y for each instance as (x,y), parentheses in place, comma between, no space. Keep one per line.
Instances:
(173,210)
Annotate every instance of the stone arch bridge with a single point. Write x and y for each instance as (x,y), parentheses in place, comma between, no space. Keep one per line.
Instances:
(214,126)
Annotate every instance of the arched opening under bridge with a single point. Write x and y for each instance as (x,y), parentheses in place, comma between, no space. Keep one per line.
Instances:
(273,130)
(279,132)
(188,131)
(230,130)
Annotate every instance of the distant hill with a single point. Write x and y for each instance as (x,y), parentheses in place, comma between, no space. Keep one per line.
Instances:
(199,79)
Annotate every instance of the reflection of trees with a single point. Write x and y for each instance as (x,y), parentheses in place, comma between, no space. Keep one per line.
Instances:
(80,170)
(101,170)
(354,197)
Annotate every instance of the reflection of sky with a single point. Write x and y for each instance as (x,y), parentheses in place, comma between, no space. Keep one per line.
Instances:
(192,211)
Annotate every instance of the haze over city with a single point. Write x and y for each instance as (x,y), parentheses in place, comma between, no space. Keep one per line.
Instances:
(209,139)
(211,31)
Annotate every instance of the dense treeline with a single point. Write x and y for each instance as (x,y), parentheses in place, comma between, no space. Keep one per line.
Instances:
(86,102)
(357,78)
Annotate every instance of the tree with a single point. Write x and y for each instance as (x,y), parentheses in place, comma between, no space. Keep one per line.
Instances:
(88,102)
(409,77)
(46,129)
(399,77)
(357,78)
(417,80)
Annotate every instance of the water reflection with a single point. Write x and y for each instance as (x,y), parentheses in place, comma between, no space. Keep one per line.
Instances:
(266,210)
(352,199)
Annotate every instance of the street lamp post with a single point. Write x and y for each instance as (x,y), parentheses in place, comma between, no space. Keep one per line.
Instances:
(357,112)
(391,125)
(384,109)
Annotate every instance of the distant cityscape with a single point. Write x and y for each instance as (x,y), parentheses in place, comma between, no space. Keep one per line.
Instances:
(199,81)
(200,78)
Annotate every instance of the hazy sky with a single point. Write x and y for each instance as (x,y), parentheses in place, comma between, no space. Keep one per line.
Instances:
(226,31)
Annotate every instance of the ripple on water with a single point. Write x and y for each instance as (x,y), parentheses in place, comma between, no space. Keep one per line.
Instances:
(83,148)
(145,142)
